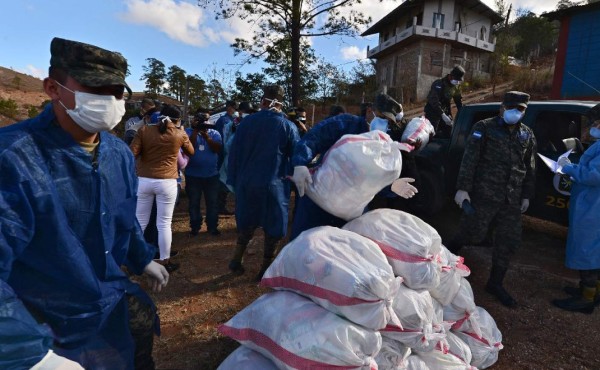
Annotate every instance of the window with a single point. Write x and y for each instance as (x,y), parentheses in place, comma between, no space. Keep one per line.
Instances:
(483,33)
(438,20)
(556,132)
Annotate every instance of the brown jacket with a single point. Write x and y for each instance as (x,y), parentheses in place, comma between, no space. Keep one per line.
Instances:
(156,153)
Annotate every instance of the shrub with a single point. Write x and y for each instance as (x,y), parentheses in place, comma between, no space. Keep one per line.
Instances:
(32,111)
(9,108)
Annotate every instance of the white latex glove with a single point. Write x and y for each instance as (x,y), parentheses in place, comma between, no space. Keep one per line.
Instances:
(403,188)
(157,274)
(446,119)
(460,197)
(563,161)
(301,178)
(524,205)
(52,361)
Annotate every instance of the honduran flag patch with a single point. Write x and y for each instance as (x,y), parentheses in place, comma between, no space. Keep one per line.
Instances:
(477,134)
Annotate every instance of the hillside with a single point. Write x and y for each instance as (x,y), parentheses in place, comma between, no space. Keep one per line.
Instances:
(26,91)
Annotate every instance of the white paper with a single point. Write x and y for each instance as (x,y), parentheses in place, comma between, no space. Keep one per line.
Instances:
(553,165)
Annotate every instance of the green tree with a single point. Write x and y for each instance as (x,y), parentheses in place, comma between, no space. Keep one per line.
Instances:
(564,4)
(292,21)
(154,75)
(363,81)
(536,36)
(9,108)
(176,78)
(197,93)
(248,87)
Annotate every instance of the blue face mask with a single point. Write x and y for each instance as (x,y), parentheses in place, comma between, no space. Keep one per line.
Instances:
(512,116)
(380,124)
(595,132)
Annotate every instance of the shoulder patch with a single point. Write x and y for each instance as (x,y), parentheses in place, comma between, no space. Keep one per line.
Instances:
(438,87)
(477,134)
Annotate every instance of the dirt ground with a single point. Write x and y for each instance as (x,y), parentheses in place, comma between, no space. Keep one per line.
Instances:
(202,294)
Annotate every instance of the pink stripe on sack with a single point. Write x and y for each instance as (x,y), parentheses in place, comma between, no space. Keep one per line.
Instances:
(458,323)
(392,328)
(401,256)
(416,133)
(461,265)
(315,291)
(282,354)
(483,340)
(351,139)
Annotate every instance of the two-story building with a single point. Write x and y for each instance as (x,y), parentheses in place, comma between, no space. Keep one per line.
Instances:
(422,40)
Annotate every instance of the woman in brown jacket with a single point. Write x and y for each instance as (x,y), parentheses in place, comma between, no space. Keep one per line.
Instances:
(155,147)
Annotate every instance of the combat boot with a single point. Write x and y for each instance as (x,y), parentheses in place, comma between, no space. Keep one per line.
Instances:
(583,303)
(577,291)
(235,265)
(263,268)
(495,288)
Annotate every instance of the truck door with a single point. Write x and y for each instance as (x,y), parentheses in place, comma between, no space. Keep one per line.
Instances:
(556,132)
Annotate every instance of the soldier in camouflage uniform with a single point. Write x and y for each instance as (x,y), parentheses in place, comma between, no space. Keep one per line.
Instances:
(438,108)
(497,176)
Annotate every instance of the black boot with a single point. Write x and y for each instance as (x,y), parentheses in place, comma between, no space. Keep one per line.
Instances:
(235,265)
(495,288)
(577,292)
(263,268)
(584,303)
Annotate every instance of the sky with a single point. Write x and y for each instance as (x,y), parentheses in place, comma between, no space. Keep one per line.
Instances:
(176,32)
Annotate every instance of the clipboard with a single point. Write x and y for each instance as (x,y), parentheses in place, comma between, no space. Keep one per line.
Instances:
(553,165)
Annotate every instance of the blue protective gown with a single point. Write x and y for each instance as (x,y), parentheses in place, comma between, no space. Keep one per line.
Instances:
(66,227)
(583,240)
(259,163)
(317,141)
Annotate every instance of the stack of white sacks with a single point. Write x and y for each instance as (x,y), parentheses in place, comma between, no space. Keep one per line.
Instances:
(380,293)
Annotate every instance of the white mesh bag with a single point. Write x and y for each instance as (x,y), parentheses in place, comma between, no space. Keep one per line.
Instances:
(341,271)
(353,170)
(416,313)
(454,354)
(414,362)
(484,347)
(411,246)
(462,310)
(453,269)
(246,359)
(296,333)
(418,128)
(392,355)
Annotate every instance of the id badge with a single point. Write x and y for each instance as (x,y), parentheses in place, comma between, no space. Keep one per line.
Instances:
(200,147)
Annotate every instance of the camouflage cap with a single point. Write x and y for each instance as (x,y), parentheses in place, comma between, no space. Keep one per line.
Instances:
(387,106)
(594,113)
(88,64)
(515,98)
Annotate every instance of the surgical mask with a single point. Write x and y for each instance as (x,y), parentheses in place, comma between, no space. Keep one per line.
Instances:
(95,113)
(399,116)
(235,114)
(380,124)
(595,132)
(512,116)
(455,82)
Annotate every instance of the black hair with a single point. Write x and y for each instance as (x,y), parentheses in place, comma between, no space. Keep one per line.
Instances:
(58,74)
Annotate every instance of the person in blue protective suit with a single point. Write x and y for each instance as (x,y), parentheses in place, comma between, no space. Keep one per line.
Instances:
(583,240)
(259,162)
(67,226)
(225,120)
(317,141)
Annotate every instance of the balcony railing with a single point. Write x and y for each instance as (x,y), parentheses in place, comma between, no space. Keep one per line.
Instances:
(434,33)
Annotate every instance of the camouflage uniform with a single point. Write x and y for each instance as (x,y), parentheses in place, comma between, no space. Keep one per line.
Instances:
(498,171)
(439,102)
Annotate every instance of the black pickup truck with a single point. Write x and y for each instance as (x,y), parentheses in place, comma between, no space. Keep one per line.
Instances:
(557,125)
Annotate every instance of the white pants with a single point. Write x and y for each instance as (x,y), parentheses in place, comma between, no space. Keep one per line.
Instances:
(165,191)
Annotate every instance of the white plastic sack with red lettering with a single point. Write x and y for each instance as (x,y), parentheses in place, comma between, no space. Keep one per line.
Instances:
(353,170)
(392,355)
(341,271)
(453,354)
(296,333)
(484,347)
(418,129)
(414,362)
(453,269)
(415,310)
(411,246)
(462,310)
(247,359)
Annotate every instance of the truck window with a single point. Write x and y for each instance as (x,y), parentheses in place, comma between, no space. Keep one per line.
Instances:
(556,132)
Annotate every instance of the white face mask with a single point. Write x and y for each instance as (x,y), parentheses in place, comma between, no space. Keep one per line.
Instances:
(455,82)
(235,114)
(380,124)
(95,113)
(512,116)
(595,132)
(399,116)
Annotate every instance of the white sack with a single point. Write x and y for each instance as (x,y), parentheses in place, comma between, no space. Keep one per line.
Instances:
(296,333)
(246,359)
(462,310)
(415,311)
(453,269)
(392,355)
(484,347)
(414,362)
(341,271)
(453,355)
(411,246)
(353,170)
(418,128)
